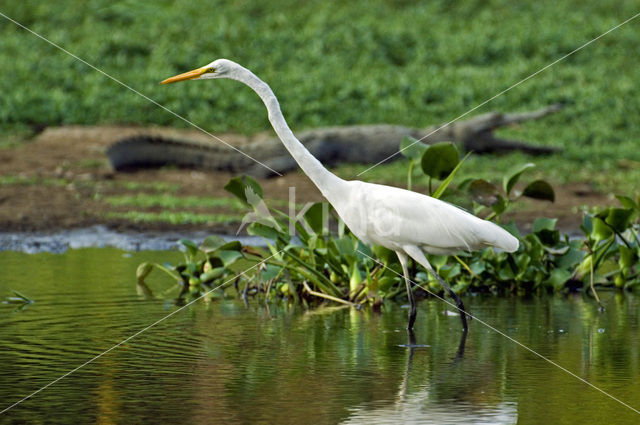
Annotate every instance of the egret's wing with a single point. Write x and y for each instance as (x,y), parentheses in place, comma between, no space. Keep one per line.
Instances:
(410,218)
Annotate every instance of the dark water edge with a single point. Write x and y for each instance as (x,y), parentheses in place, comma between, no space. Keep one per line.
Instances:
(59,241)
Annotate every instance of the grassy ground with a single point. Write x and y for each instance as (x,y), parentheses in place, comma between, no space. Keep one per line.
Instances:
(401,62)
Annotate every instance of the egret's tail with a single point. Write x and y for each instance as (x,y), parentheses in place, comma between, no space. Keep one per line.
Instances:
(496,236)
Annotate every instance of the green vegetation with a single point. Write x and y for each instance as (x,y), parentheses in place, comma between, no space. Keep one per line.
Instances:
(410,63)
(174,217)
(152,186)
(340,268)
(10,180)
(172,202)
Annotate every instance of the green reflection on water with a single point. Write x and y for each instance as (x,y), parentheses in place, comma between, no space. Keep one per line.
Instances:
(224,362)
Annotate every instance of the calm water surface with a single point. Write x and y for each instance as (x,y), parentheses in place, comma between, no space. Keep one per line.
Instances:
(224,362)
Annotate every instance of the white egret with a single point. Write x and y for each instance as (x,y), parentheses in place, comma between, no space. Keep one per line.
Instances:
(409,223)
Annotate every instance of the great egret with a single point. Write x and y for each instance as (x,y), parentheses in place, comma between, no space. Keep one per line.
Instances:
(409,223)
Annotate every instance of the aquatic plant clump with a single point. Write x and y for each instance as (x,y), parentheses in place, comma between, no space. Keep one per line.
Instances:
(305,261)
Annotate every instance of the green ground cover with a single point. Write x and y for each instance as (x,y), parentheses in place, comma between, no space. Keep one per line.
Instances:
(400,62)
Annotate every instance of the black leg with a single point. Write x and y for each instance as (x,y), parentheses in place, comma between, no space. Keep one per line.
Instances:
(456,298)
(412,303)
(412,307)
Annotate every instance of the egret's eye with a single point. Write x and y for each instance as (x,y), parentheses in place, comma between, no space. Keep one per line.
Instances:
(211,70)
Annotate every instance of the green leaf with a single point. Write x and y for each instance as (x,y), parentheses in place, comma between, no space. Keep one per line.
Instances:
(483,192)
(314,217)
(440,159)
(443,186)
(232,246)
(211,243)
(412,149)
(143,271)
(571,259)
(238,187)
(355,277)
(382,254)
(267,232)
(627,202)
(539,189)
(346,249)
(626,257)
(386,282)
(558,278)
(511,228)
(543,223)
(190,247)
(600,230)
(548,237)
(513,176)
(212,274)
(618,218)
(229,257)
(587,225)
(499,206)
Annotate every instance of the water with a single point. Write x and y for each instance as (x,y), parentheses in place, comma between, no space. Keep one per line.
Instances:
(224,362)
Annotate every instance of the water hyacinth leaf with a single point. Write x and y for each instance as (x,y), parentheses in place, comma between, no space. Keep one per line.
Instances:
(240,186)
(627,202)
(618,218)
(440,159)
(539,189)
(543,223)
(443,186)
(587,225)
(626,257)
(215,261)
(190,247)
(477,267)
(346,248)
(558,278)
(412,149)
(212,243)
(314,217)
(143,271)
(382,254)
(511,228)
(510,180)
(385,283)
(212,274)
(355,278)
(571,258)
(145,268)
(267,232)
(483,192)
(364,252)
(549,238)
(232,246)
(600,229)
(464,184)
(499,206)
(229,257)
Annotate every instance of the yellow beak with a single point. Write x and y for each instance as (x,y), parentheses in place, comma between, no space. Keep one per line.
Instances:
(185,76)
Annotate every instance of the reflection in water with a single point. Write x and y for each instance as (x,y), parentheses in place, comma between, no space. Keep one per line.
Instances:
(419,406)
(223,362)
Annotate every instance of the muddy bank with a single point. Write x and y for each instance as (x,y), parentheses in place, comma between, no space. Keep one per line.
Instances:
(60,183)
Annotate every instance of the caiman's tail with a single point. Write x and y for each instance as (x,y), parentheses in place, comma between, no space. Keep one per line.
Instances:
(143,151)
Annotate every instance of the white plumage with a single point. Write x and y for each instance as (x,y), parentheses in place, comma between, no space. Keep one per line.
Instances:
(409,223)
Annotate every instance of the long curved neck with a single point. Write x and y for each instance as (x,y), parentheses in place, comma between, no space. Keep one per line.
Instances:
(326,181)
